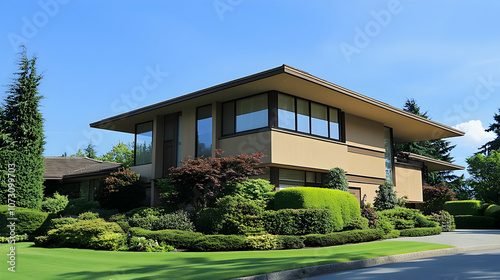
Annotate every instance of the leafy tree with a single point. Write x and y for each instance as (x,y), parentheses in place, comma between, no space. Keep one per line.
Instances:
(461,189)
(485,176)
(201,180)
(493,145)
(89,152)
(122,190)
(120,153)
(386,196)
(438,149)
(336,179)
(435,197)
(21,130)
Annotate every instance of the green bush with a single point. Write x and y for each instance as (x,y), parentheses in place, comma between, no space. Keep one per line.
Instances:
(371,215)
(386,196)
(60,222)
(269,199)
(392,234)
(28,220)
(232,215)
(290,241)
(104,213)
(219,243)
(474,222)
(262,242)
(463,207)
(80,205)
(55,204)
(17,238)
(384,225)
(251,189)
(142,244)
(422,222)
(343,206)
(339,238)
(444,219)
(401,218)
(360,223)
(421,231)
(121,190)
(146,211)
(178,220)
(88,216)
(177,238)
(121,220)
(493,211)
(92,234)
(337,180)
(298,221)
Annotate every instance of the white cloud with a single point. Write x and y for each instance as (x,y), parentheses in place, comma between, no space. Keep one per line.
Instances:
(475,134)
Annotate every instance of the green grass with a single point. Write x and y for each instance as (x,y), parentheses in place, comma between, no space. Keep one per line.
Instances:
(62,263)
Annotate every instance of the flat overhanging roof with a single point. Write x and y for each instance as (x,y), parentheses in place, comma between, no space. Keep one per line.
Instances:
(431,163)
(407,127)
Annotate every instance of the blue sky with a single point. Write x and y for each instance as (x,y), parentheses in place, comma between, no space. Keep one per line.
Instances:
(101,58)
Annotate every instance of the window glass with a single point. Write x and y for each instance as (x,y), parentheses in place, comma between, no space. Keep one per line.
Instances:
(388,154)
(286,111)
(143,143)
(319,123)
(310,177)
(204,131)
(228,118)
(295,176)
(334,124)
(303,116)
(251,113)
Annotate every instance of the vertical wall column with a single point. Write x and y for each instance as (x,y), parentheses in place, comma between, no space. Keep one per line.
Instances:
(158,134)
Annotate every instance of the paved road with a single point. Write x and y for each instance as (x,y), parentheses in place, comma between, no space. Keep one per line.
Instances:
(472,265)
(481,260)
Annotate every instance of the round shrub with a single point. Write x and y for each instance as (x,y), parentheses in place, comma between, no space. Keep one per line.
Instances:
(88,216)
(359,223)
(122,190)
(384,225)
(60,222)
(343,206)
(55,204)
(28,220)
(444,219)
(493,211)
(262,242)
(337,180)
(298,221)
(250,189)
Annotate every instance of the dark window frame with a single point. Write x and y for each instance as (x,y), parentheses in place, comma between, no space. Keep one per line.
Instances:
(234,101)
(196,130)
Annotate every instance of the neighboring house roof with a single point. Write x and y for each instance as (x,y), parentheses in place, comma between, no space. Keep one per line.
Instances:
(59,168)
(431,163)
(407,127)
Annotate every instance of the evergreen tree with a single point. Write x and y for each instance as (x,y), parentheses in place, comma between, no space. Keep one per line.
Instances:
(493,145)
(21,125)
(438,149)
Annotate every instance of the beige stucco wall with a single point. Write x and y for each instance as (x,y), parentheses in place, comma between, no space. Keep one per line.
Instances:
(146,171)
(367,191)
(297,150)
(365,165)
(248,144)
(188,133)
(364,133)
(409,182)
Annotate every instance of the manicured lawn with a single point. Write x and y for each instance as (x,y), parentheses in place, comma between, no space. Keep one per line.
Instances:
(42,263)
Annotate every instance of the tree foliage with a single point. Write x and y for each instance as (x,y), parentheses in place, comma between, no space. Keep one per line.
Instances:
(122,190)
(120,153)
(438,149)
(386,196)
(201,180)
(493,145)
(336,179)
(435,197)
(484,177)
(21,130)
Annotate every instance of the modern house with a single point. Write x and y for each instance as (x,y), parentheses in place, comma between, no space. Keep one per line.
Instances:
(303,124)
(76,177)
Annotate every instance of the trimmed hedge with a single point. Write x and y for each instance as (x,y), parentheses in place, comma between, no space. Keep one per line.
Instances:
(339,238)
(219,243)
(474,222)
(298,221)
(28,220)
(463,207)
(177,238)
(420,231)
(60,222)
(493,211)
(343,206)
(290,241)
(403,218)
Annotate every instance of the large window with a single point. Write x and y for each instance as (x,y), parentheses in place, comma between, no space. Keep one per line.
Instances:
(143,148)
(245,114)
(289,178)
(204,131)
(388,154)
(308,117)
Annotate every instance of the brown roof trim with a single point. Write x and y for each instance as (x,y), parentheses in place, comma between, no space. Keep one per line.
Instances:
(440,164)
(269,73)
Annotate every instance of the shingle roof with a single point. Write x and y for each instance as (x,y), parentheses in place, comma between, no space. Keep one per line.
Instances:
(58,168)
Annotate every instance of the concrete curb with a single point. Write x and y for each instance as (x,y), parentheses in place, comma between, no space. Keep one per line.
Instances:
(305,272)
